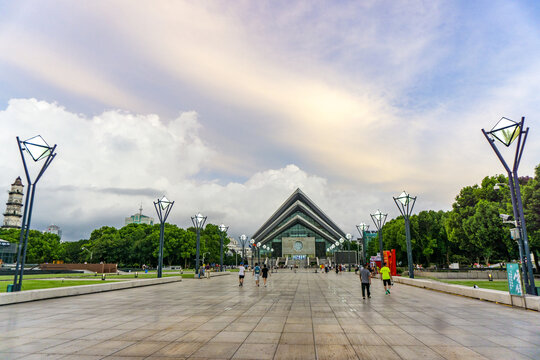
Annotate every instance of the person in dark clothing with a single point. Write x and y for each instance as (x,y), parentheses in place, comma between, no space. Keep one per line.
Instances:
(264,274)
(365,279)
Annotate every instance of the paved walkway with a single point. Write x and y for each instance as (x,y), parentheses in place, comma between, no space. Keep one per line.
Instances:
(298,316)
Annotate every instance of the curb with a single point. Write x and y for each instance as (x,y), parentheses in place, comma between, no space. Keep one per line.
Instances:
(42,294)
(496,296)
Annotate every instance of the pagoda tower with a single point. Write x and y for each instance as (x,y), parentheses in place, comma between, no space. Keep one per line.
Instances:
(13,213)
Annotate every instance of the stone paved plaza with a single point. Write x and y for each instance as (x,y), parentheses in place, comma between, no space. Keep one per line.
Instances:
(298,316)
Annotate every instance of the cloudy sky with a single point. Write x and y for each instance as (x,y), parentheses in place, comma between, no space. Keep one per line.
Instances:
(228,107)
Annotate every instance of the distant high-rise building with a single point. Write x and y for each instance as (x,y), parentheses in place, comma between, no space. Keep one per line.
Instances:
(13,213)
(53,229)
(139,218)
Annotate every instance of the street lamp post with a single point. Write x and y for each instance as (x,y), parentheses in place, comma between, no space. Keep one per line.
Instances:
(252,245)
(405,204)
(223,230)
(507,131)
(198,221)
(362,228)
(163,208)
(83,248)
(259,253)
(243,241)
(379,219)
(38,150)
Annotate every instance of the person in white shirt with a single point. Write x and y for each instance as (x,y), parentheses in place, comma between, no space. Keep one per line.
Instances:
(241,274)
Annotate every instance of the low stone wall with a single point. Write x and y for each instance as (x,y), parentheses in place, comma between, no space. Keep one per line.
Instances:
(528,302)
(41,294)
(463,275)
(99,268)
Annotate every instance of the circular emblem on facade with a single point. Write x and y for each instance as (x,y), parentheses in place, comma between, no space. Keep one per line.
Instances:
(298,246)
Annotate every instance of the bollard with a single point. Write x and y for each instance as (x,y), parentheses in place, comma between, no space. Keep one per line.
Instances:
(136,274)
(490,277)
(102,276)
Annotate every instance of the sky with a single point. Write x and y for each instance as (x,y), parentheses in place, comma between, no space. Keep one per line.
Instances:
(228,107)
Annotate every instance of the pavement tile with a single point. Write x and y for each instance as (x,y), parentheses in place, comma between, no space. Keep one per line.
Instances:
(178,349)
(291,338)
(416,352)
(216,350)
(457,353)
(337,352)
(231,336)
(295,352)
(499,353)
(370,352)
(143,348)
(263,338)
(256,351)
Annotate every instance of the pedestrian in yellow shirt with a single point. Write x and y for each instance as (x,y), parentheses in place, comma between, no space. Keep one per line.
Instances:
(386,277)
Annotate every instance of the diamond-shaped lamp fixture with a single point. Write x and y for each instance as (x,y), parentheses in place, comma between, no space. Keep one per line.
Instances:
(164,203)
(379,215)
(404,198)
(341,240)
(243,237)
(37,148)
(349,237)
(506,131)
(258,244)
(223,228)
(199,220)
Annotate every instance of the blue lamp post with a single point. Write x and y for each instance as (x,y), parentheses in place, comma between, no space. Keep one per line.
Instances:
(163,207)
(38,150)
(506,131)
(362,228)
(379,219)
(198,221)
(405,204)
(223,230)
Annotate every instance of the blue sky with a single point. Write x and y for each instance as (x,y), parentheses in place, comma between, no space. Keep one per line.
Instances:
(234,105)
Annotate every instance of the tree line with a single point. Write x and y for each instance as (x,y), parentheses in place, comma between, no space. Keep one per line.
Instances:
(472,232)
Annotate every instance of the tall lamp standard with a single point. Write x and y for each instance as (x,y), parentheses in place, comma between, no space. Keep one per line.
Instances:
(379,219)
(259,253)
(223,229)
(507,131)
(252,247)
(405,204)
(243,242)
(198,221)
(163,208)
(38,150)
(362,228)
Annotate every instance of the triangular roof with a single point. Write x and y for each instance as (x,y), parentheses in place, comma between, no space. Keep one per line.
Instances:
(298,201)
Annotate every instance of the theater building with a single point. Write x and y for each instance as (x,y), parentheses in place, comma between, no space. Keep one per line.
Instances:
(299,233)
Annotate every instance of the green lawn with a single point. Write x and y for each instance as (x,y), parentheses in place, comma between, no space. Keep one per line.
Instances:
(141,275)
(47,284)
(484,284)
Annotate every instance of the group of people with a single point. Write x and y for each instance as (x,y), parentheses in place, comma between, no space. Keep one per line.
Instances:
(365,279)
(257,273)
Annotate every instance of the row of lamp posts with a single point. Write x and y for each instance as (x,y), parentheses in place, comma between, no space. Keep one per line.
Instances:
(506,131)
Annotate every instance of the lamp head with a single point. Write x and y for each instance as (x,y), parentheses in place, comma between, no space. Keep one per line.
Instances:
(349,237)
(506,131)
(223,228)
(36,147)
(164,203)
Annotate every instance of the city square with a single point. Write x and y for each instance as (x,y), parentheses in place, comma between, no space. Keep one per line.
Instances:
(269,180)
(300,315)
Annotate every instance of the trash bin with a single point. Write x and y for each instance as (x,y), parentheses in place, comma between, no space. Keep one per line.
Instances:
(9,288)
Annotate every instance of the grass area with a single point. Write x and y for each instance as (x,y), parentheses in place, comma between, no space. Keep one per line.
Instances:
(47,284)
(141,275)
(232,270)
(188,276)
(501,285)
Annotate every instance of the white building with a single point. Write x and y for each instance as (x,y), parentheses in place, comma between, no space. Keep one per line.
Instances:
(139,219)
(13,213)
(53,229)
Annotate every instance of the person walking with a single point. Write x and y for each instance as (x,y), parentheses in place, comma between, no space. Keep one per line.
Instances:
(256,273)
(241,274)
(207,271)
(365,279)
(264,274)
(386,277)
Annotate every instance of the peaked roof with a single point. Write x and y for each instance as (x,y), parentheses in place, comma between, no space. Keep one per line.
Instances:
(18,181)
(298,201)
